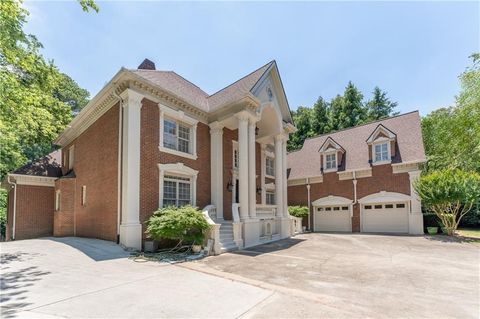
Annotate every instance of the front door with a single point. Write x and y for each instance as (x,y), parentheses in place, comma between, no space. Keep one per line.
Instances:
(237,191)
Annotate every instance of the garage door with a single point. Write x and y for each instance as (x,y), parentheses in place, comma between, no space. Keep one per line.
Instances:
(332,218)
(385,218)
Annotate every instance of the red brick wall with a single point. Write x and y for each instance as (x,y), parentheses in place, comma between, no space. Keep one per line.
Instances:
(150,157)
(382,179)
(63,219)
(34,212)
(96,167)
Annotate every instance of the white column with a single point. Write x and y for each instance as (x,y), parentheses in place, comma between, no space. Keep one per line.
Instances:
(415,217)
(130,227)
(243,163)
(252,192)
(216,167)
(263,173)
(279,174)
(284,179)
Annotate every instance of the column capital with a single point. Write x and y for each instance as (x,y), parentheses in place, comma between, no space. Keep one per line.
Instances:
(281,137)
(216,127)
(131,97)
(246,116)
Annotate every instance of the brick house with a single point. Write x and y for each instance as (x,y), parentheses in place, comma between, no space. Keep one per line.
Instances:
(150,139)
(360,179)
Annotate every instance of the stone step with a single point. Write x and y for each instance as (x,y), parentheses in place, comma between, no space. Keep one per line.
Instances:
(230,247)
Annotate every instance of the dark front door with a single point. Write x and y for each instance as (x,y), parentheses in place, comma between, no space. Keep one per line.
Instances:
(237,190)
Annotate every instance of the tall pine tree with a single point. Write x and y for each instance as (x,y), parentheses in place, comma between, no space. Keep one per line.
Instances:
(353,110)
(320,116)
(380,106)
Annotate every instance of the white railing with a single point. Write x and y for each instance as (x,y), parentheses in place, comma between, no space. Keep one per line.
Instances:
(237,225)
(266,211)
(214,231)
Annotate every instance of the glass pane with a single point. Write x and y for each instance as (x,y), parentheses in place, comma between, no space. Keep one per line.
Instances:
(169,190)
(400,205)
(378,206)
(184,132)
(170,127)
(184,191)
(183,145)
(170,141)
(169,202)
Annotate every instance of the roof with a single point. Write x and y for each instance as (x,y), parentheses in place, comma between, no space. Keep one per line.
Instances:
(192,94)
(306,161)
(47,166)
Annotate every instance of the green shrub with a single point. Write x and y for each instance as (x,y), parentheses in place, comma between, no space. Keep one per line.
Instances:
(3,212)
(185,224)
(450,194)
(298,211)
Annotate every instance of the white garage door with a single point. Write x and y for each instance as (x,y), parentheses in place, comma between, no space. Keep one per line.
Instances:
(385,218)
(332,218)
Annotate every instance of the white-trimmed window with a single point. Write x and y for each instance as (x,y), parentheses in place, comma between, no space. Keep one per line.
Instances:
(235,157)
(270,198)
(177,191)
(177,185)
(57,200)
(176,136)
(270,166)
(381,152)
(178,133)
(331,161)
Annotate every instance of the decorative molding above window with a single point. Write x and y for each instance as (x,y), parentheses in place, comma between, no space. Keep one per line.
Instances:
(329,155)
(381,133)
(178,133)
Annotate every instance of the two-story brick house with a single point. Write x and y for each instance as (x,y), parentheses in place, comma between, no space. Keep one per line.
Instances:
(150,139)
(360,179)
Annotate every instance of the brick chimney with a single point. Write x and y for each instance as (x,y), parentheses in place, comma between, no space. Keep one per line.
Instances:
(147,65)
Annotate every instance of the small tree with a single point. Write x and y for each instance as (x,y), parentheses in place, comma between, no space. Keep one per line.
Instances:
(185,224)
(298,211)
(450,194)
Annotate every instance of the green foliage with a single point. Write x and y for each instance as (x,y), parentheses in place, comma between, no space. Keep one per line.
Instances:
(185,224)
(450,194)
(343,111)
(36,100)
(431,220)
(88,4)
(3,212)
(298,211)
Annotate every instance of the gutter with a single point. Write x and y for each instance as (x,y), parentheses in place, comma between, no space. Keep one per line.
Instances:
(14,205)
(120,152)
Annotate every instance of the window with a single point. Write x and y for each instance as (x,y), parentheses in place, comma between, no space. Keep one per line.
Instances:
(389,206)
(270,198)
(57,201)
(235,154)
(176,136)
(400,205)
(176,191)
(344,207)
(368,206)
(328,208)
(331,161)
(84,195)
(336,208)
(378,206)
(381,152)
(270,166)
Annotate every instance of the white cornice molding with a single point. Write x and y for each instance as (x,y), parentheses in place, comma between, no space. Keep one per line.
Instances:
(178,168)
(383,197)
(332,200)
(406,167)
(33,180)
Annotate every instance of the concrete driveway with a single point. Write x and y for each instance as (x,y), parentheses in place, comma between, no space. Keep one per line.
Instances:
(313,275)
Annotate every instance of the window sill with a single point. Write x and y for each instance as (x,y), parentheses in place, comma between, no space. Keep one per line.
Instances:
(330,170)
(269,176)
(177,153)
(381,163)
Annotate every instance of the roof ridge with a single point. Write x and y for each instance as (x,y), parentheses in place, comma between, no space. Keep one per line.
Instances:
(354,127)
(173,72)
(241,78)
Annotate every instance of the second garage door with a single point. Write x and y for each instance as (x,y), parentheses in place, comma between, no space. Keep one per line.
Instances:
(332,218)
(385,218)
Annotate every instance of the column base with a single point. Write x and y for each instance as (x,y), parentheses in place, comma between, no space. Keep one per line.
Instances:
(415,224)
(251,232)
(131,236)
(285,227)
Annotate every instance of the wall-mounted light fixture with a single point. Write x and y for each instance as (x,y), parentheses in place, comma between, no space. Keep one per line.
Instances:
(259,190)
(230,186)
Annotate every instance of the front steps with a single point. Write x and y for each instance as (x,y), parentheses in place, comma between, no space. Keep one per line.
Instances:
(226,237)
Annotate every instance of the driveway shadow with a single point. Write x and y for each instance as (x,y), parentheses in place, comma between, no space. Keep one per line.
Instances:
(452,239)
(270,247)
(96,249)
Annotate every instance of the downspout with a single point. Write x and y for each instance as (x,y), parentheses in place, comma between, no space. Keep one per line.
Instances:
(354,193)
(14,205)
(309,203)
(120,151)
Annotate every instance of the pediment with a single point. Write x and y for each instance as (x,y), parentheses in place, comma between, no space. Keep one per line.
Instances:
(381,133)
(330,145)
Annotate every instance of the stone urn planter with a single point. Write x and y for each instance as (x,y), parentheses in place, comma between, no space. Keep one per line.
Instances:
(196,248)
(432,230)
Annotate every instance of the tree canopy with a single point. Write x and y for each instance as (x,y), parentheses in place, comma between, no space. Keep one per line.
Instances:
(343,111)
(37,101)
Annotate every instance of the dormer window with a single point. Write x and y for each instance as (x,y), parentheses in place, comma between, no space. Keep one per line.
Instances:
(331,161)
(331,153)
(381,152)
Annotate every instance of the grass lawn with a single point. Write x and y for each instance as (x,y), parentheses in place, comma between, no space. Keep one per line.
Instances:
(469,232)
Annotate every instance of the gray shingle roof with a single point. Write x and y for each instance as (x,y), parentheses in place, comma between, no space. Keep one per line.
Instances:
(306,162)
(48,166)
(186,90)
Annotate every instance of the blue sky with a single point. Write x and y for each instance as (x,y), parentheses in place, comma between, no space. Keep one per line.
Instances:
(413,50)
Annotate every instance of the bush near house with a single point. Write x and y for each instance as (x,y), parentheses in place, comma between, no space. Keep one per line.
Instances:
(184,224)
(298,211)
(450,194)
